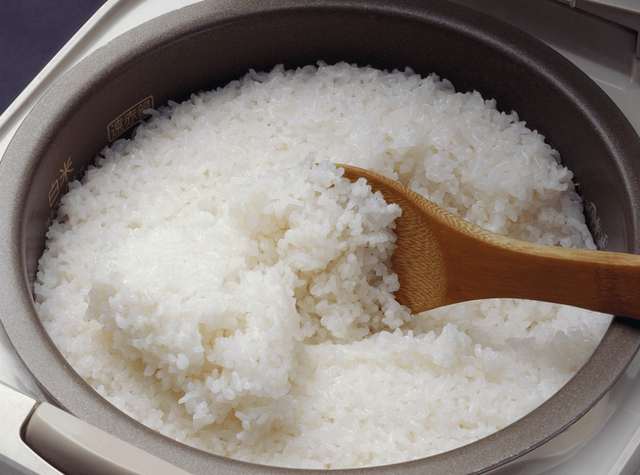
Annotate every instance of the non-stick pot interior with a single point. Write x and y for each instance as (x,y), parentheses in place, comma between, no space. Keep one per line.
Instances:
(209,44)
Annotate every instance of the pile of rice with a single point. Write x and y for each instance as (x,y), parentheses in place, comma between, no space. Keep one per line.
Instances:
(217,279)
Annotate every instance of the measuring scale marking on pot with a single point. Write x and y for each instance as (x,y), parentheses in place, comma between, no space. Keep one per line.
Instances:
(556,455)
(70,172)
(129,118)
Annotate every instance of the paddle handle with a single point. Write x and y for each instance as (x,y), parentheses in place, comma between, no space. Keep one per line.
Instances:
(606,282)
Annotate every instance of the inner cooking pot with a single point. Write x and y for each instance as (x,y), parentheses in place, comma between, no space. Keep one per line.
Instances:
(208,44)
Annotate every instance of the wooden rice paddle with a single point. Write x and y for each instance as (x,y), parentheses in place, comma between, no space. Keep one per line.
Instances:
(442,260)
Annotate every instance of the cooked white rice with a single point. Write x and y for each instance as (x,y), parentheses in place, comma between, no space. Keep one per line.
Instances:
(216,278)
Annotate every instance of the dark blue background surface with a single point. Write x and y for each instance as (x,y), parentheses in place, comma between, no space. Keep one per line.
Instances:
(31,33)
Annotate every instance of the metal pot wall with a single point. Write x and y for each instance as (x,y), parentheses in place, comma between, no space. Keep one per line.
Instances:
(210,43)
